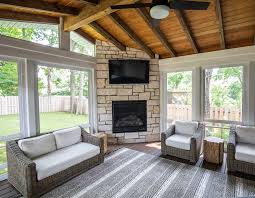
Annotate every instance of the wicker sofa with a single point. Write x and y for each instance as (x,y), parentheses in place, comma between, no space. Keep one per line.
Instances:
(183,140)
(34,169)
(241,150)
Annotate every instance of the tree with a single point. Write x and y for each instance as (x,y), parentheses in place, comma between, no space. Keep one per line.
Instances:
(8,79)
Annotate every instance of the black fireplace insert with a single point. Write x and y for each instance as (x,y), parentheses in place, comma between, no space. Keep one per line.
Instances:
(129,116)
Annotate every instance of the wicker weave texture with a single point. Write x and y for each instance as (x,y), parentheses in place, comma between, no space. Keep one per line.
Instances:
(22,170)
(196,141)
(234,165)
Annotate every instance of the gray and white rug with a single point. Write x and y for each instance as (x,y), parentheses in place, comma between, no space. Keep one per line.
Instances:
(132,174)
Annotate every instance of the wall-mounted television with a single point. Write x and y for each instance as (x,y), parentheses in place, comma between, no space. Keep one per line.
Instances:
(128,71)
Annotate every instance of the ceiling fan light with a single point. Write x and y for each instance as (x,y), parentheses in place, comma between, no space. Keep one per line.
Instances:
(159,11)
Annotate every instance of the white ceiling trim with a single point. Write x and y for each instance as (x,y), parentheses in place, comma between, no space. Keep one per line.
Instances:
(43,54)
(242,55)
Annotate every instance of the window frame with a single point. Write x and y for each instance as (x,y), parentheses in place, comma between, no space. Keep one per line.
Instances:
(19,63)
(91,84)
(230,122)
(192,88)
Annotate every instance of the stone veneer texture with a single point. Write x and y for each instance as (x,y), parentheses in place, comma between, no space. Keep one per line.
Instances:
(107,93)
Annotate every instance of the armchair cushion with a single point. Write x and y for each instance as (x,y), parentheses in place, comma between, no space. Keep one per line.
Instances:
(179,141)
(64,158)
(245,134)
(185,128)
(37,146)
(67,137)
(245,152)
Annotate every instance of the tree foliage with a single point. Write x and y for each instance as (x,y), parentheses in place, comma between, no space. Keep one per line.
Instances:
(225,86)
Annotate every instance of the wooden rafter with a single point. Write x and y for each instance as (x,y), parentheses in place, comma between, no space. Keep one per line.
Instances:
(85,35)
(39,5)
(220,23)
(19,16)
(186,30)
(147,18)
(118,21)
(107,35)
(92,13)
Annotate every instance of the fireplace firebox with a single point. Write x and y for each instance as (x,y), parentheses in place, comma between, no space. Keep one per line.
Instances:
(129,116)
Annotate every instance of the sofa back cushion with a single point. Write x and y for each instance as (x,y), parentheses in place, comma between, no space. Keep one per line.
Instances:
(185,128)
(37,146)
(67,137)
(245,134)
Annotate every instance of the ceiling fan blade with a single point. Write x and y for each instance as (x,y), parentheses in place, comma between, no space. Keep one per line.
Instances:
(127,6)
(189,5)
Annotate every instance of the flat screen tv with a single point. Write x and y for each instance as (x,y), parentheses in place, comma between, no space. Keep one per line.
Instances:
(128,71)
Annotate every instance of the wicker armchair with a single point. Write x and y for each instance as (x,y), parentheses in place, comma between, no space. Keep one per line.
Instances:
(235,161)
(191,154)
(22,170)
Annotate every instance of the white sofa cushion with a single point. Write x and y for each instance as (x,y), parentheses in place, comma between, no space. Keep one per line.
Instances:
(245,134)
(67,137)
(37,146)
(185,128)
(179,141)
(245,152)
(64,158)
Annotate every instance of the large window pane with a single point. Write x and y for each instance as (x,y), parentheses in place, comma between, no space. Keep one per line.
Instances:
(223,93)
(179,99)
(45,34)
(9,107)
(81,45)
(63,98)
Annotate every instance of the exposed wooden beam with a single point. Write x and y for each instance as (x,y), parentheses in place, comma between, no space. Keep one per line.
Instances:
(118,21)
(19,16)
(147,18)
(92,13)
(220,23)
(186,30)
(107,35)
(38,5)
(85,35)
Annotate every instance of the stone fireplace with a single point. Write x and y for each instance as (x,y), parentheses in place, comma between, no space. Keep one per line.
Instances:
(146,96)
(129,116)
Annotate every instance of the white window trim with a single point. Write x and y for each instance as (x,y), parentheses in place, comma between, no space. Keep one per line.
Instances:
(244,56)
(244,65)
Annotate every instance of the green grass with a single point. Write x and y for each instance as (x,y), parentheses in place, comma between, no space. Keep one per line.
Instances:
(59,120)
(9,124)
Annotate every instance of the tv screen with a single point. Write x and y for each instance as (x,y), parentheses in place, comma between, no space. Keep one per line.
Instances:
(128,71)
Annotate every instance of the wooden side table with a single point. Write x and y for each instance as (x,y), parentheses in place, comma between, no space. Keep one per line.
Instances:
(213,150)
(104,136)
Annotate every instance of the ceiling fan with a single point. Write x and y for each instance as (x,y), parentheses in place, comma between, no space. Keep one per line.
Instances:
(160,9)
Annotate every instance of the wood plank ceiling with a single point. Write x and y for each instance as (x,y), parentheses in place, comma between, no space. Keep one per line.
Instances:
(226,24)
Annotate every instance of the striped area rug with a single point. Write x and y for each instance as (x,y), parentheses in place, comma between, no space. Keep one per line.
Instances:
(132,174)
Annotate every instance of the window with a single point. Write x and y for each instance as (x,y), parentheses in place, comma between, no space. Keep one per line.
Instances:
(45,34)
(179,96)
(223,94)
(81,45)
(223,91)
(9,107)
(63,98)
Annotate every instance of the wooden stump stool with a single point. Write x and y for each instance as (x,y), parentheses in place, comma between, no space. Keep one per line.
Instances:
(213,150)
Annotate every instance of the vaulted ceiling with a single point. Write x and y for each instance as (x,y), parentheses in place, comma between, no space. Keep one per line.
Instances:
(226,24)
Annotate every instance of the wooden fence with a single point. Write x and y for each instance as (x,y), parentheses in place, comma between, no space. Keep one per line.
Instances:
(10,104)
(184,112)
